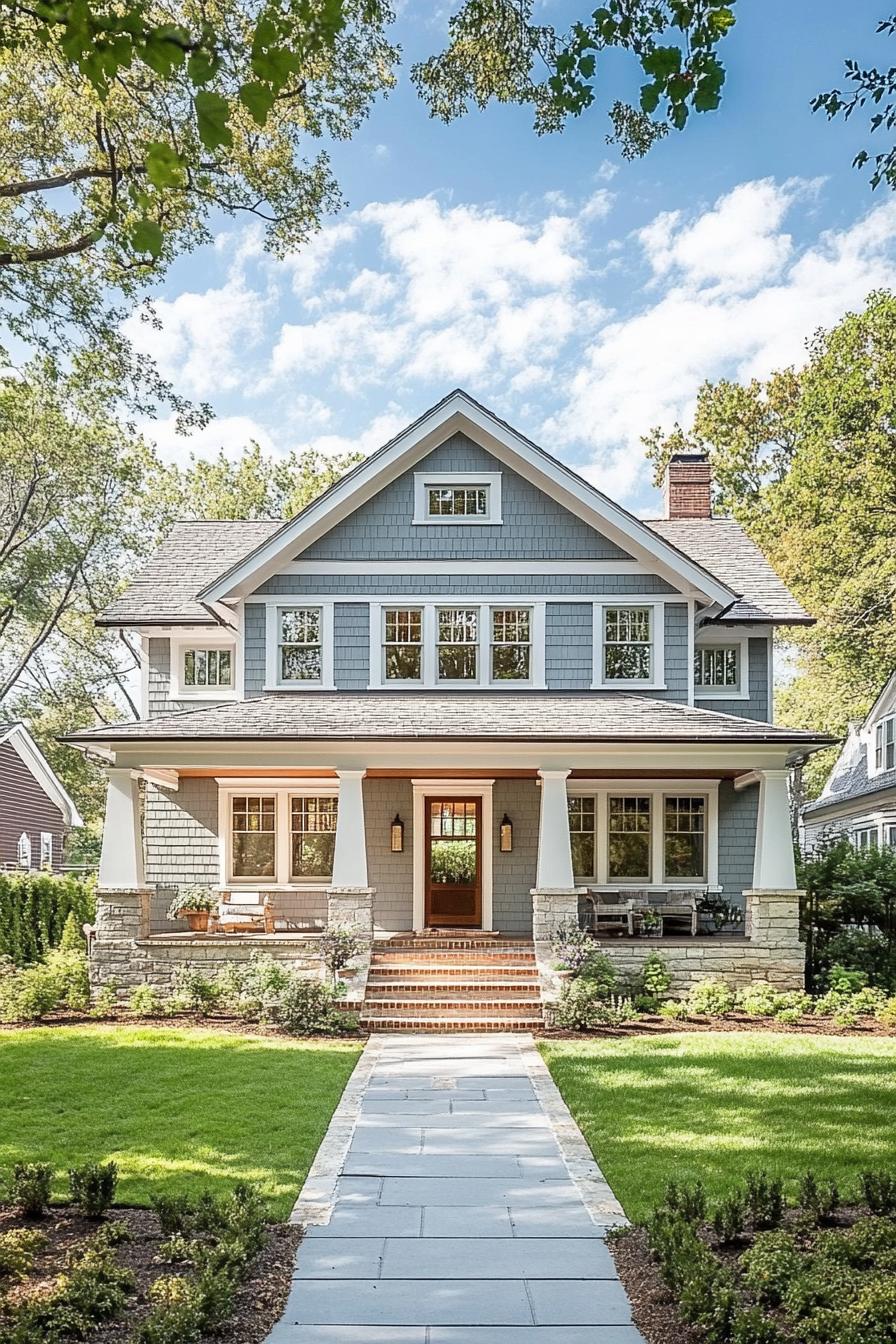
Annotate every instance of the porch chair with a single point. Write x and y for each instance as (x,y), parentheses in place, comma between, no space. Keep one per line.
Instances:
(244,912)
(607,907)
(680,910)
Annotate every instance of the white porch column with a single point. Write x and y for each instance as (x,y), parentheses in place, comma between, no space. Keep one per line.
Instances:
(121,857)
(350,858)
(554,867)
(773,864)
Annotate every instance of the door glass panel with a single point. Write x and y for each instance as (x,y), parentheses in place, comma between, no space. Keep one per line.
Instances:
(452,829)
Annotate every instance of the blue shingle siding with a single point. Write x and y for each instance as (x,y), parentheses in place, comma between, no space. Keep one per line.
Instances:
(254,647)
(159,682)
(351,645)
(757,707)
(568,645)
(533,524)
(677,654)
(738,811)
(391,874)
(463,585)
(181,837)
(513,874)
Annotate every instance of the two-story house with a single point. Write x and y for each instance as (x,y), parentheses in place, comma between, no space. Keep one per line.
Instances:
(859,797)
(457,690)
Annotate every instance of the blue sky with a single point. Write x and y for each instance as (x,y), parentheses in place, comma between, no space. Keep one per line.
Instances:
(583,298)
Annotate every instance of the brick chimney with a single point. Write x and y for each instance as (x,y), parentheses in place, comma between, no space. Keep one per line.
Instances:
(687,486)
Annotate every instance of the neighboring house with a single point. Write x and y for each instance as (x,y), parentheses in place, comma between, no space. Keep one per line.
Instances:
(36,813)
(859,798)
(458,688)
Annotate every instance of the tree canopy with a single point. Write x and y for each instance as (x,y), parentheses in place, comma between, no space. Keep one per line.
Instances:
(806,461)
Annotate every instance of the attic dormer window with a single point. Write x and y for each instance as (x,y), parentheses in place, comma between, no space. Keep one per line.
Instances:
(457,497)
(885,744)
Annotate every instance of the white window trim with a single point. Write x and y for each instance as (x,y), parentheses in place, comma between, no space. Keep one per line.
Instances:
(456,480)
(46,849)
(429,662)
(884,769)
(657,791)
(179,646)
(716,640)
(866,828)
(657,680)
(282,879)
(23,852)
(273,680)
(448,788)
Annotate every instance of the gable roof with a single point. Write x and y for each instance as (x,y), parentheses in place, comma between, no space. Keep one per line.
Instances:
(17,736)
(849,778)
(723,547)
(460,412)
(164,591)
(538,716)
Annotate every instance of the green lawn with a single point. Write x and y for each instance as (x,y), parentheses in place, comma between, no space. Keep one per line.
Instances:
(176,1108)
(713,1105)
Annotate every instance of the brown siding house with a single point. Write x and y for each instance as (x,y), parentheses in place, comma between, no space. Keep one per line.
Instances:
(36,813)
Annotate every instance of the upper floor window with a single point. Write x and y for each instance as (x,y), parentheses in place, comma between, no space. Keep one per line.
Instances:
(627,644)
(457,497)
(23,851)
(458,643)
(511,643)
(46,849)
(207,668)
(866,837)
(717,667)
(885,744)
(403,643)
(300,644)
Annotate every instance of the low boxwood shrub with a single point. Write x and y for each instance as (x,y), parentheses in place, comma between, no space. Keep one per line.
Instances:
(93,1186)
(194,992)
(93,1289)
(820,1199)
(30,1188)
(729,1218)
(879,1191)
(145,1001)
(765,1199)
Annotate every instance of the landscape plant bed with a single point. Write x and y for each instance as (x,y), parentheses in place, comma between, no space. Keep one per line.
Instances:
(747,1269)
(652,1025)
(226,1022)
(258,1299)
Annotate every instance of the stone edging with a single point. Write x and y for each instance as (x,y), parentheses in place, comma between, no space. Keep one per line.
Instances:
(316,1197)
(584,1172)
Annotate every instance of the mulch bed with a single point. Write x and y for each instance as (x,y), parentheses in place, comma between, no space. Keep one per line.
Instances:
(664,1026)
(210,1021)
(260,1297)
(653,1307)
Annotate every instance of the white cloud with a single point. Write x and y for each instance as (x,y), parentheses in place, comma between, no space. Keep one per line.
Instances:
(228,433)
(645,369)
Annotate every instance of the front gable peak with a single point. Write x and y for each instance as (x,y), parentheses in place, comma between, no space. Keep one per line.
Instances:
(470,502)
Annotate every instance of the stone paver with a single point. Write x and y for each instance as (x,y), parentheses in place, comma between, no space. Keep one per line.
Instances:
(454,1201)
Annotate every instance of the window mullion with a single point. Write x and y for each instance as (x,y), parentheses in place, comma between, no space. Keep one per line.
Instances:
(657,838)
(283,861)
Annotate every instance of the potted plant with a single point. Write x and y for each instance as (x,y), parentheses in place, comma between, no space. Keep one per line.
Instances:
(194,904)
(651,922)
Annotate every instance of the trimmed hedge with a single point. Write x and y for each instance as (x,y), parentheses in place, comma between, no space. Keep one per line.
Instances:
(33,911)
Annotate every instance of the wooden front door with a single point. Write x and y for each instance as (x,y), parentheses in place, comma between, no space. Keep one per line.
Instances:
(453,862)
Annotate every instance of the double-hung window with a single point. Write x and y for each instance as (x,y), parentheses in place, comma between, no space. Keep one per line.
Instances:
(628,836)
(866,837)
(511,644)
(684,837)
(313,836)
(457,650)
(581,835)
(403,643)
(885,744)
(717,667)
(627,654)
(300,644)
(253,835)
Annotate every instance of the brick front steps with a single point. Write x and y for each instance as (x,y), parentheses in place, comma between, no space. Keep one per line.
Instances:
(452,982)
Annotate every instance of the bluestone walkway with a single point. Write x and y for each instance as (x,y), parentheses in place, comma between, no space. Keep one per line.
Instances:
(462,1206)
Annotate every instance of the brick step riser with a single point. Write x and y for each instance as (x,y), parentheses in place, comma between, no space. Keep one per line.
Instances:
(441,959)
(456,944)
(449,1025)
(454,994)
(463,974)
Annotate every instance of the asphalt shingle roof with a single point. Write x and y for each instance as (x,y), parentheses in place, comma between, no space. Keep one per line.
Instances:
(723,547)
(598,716)
(849,779)
(164,591)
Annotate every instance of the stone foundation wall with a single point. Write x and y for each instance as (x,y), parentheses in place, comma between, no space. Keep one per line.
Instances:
(122,953)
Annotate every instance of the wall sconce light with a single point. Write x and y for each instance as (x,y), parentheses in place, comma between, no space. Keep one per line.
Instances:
(397,834)
(506,834)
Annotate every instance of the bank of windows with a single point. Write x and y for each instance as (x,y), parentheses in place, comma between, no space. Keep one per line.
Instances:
(869,837)
(259,823)
(444,501)
(885,744)
(207,669)
(457,497)
(460,644)
(631,822)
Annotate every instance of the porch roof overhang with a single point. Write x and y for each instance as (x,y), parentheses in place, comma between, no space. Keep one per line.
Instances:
(598,729)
